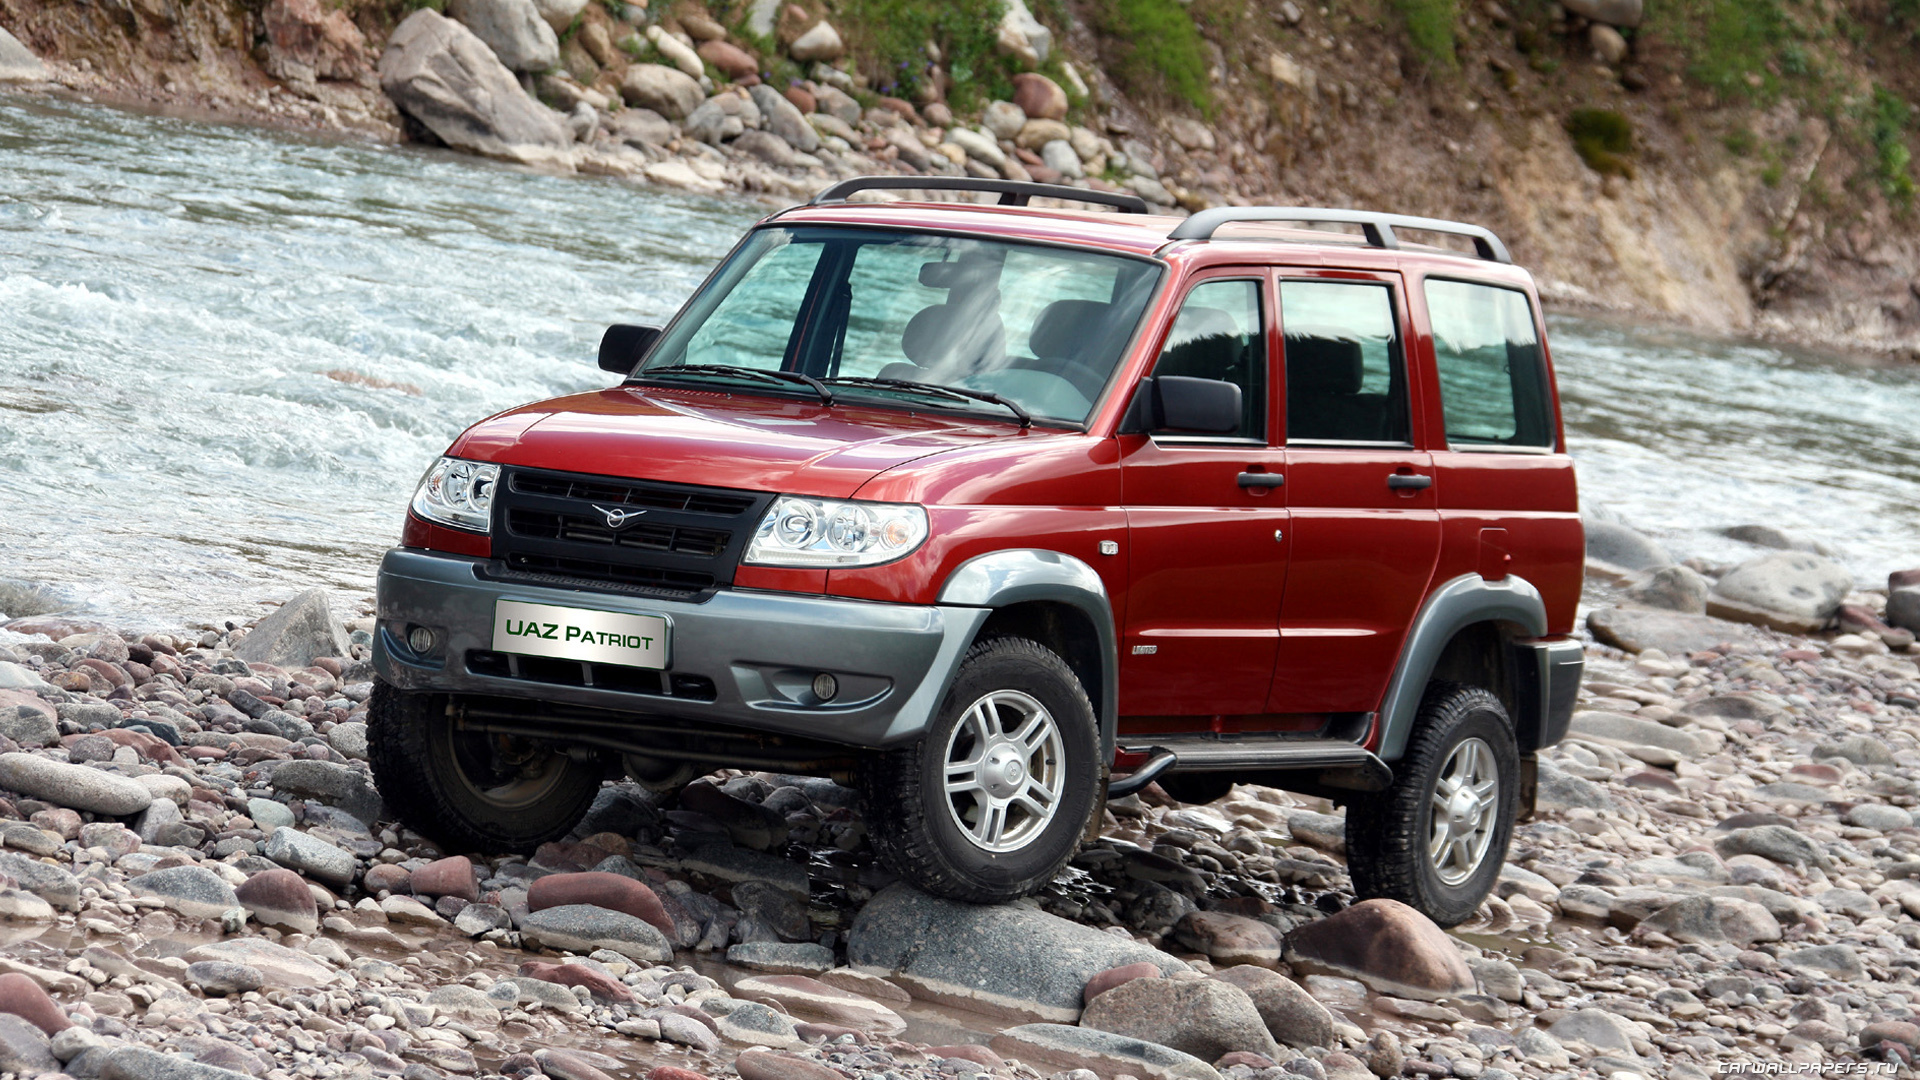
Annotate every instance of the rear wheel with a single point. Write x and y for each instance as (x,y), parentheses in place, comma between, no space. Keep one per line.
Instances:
(1437,838)
(992,801)
(469,791)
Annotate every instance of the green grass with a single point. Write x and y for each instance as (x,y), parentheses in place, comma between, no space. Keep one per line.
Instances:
(1604,140)
(1155,50)
(1430,26)
(888,39)
(1739,48)
(1740,141)
(1893,161)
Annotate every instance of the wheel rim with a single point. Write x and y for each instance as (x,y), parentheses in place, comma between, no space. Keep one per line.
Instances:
(1004,774)
(506,772)
(1466,807)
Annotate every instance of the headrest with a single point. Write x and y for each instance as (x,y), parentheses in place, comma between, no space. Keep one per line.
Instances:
(955,333)
(958,272)
(1069,329)
(1323,366)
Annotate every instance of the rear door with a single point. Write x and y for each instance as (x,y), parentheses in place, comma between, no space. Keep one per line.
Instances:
(1207,524)
(1361,491)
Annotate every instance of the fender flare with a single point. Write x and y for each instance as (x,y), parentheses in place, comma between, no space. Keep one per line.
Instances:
(1457,604)
(1024,575)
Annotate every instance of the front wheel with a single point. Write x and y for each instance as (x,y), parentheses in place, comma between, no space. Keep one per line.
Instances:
(469,791)
(1437,838)
(992,801)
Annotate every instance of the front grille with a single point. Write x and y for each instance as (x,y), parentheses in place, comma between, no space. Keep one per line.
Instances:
(675,541)
(556,672)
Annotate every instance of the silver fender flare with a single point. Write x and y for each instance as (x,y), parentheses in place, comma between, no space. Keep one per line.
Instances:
(1459,603)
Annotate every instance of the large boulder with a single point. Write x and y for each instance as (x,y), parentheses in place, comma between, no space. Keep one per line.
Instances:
(672,93)
(17,64)
(513,29)
(1010,961)
(1207,1018)
(77,787)
(583,928)
(1622,549)
(1291,1014)
(1672,632)
(439,73)
(1385,944)
(307,40)
(1039,97)
(785,119)
(1714,920)
(1790,583)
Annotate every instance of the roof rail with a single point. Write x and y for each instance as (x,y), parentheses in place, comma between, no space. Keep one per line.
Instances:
(1377,227)
(1011,192)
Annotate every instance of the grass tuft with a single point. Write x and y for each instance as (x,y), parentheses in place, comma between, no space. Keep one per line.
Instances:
(1155,50)
(1430,25)
(1604,140)
(888,39)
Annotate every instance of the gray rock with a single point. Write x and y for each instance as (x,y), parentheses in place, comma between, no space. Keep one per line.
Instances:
(1597,1028)
(350,739)
(221,978)
(668,91)
(821,43)
(1833,961)
(301,629)
(337,785)
(754,1024)
(729,863)
(1903,608)
(637,126)
(582,928)
(140,1063)
(1861,750)
(785,119)
(1625,13)
(311,855)
(465,1003)
(781,957)
(440,74)
(28,726)
(1064,1047)
(1634,735)
(1712,920)
(1623,548)
(1014,961)
(1779,843)
(15,676)
(766,146)
(74,786)
(1059,156)
(1879,818)
(269,814)
(838,104)
(684,1030)
(1558,790)
(1291,1014)
(18,64)
(1795,584)
(1756,707)
(514,30)
(1672,632)
(713,124)
(193,891)
(1671,588)
(282,966)
(559,14)
(24,1049)
(475,920)
(49,882)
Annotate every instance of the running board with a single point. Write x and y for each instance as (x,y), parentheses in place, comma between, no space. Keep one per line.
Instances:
(1338,763)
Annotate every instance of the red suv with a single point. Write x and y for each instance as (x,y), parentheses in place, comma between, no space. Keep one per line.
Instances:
(1002,512)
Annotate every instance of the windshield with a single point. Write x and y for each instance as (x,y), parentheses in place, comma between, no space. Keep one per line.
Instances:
(1039,329)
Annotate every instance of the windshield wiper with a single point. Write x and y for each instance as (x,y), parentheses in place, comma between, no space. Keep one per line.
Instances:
(958,393)
(775,377)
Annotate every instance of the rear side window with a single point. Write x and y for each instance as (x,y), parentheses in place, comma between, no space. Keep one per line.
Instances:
(1493,378)
(1345,378)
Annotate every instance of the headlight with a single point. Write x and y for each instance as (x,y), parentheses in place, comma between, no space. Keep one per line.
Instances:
(457,493)
(828,532)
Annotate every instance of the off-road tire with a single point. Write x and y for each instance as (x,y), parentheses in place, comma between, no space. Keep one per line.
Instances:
(1387,834)
(414,751)
(905,793)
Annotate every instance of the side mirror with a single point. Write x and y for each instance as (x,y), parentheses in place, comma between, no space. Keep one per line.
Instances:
(622,347)
(1184,403)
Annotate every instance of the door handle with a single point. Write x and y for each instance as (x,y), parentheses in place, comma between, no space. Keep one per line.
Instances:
(1409,481)
(1262,479)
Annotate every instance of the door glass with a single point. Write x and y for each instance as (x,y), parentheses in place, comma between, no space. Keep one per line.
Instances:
(1493,379)
(1346,380)
(1217,335)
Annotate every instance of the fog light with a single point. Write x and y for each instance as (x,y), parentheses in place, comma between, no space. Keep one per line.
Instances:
(420,639)
(825,686)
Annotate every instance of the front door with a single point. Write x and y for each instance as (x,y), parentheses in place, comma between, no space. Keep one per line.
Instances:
(1207,526)
(1360,489)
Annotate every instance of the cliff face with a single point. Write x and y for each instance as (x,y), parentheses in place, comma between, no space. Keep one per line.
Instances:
(1739,165)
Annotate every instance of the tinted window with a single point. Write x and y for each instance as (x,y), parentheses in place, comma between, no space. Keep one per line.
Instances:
(1493,378)
(1217,335)
(1345,378)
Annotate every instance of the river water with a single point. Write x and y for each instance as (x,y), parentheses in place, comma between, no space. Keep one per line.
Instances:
(227,354)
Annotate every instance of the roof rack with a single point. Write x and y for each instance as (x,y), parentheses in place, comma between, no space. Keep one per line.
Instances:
(1011,192)
(1377,227)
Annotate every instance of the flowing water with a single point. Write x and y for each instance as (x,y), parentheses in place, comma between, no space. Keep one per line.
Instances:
(227,354)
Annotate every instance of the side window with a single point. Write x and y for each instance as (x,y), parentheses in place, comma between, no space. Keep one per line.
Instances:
(1218,335)
(1346,378)
(1493,379)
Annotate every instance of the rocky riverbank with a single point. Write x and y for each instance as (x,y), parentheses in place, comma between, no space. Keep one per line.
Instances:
(1744,173)
(200,881)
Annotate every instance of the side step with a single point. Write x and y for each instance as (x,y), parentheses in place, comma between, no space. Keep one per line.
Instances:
(1338,763)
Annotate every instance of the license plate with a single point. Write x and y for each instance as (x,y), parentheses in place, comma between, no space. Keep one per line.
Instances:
(598,637)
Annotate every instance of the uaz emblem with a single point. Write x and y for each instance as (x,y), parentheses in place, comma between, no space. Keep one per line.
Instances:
(618,517)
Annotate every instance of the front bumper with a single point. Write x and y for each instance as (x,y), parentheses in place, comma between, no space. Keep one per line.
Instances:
(748,657)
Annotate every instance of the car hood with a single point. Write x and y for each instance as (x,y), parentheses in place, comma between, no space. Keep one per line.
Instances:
(720,439)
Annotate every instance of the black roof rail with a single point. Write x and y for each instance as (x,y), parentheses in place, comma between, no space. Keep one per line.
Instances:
(1011,192)
(1377,227)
